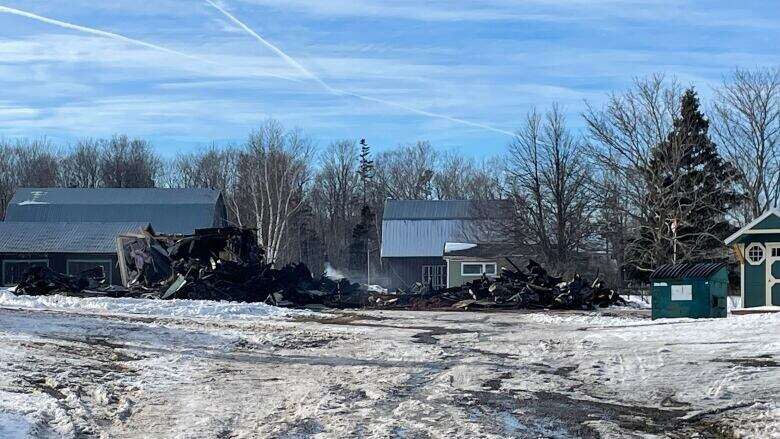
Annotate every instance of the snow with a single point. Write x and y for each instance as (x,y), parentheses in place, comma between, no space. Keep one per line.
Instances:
(457,246)
(122,368)
(206,309)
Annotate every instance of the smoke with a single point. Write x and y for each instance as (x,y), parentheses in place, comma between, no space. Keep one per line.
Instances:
(118,37)
(332,273)
(308,73)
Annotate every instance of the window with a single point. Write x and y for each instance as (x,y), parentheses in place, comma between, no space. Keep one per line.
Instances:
(76,266)
(776,252)
(478,268)
(435,275)
(13,269)
(754,253)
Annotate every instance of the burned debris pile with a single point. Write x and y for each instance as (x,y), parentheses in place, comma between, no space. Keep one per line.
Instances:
(228,264)
(223,264)
(211,264)
(514,289)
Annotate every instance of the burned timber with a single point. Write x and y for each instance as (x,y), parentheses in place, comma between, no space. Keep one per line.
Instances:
(227,264)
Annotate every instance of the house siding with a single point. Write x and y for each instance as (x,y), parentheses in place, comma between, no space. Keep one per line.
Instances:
(404,272)
(454,276)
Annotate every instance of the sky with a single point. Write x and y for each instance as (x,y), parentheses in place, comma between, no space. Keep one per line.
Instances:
(460,74)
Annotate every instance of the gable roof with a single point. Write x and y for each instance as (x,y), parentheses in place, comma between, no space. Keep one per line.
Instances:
(168,210)
(429,210)
(59,237)
(755,226)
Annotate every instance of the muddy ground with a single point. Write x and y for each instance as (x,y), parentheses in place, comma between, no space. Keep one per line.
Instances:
(387,375)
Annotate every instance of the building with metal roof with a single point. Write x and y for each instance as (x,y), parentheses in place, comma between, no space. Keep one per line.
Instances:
(62,246)
(414,233)
(168,210)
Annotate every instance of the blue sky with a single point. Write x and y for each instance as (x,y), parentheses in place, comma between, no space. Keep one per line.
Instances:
(485,62)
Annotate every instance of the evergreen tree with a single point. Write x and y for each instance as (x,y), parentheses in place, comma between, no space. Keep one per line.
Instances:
(693,190)
(364,231)
(366,169)
(363,235)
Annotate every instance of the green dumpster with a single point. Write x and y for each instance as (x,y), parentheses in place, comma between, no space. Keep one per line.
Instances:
(695,290)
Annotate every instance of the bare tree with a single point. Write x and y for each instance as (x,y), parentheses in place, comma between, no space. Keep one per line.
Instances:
(336,197)
(37,163)
(129,163)
(274,174)
(747,127)
(81,167)
(547,177)
(624,134)
(406,172)
(8,180)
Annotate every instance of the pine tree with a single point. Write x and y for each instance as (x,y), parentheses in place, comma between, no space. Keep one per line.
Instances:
(366,169)
(694,190)
(362,235)
(364,231)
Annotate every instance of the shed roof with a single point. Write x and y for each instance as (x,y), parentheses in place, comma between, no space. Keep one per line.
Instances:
(62,237)
(168,210)
(429,210)
(701,270)
(482,250)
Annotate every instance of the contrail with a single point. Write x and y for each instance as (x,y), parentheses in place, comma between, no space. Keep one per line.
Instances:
(295,64)
(118,37)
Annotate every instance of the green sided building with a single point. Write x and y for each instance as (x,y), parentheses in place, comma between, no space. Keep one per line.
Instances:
(757,246)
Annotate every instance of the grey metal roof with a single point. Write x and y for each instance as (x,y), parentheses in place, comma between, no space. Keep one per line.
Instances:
(168,210)
(702,270)
(61,237)
(429,209)
(417,238)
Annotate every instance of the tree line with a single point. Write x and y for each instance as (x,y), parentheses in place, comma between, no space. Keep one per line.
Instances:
(655,175)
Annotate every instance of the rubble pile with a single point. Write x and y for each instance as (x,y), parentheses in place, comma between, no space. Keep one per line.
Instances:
(224,264)
(42,280)
(211,264)
(513,289)
(227,264)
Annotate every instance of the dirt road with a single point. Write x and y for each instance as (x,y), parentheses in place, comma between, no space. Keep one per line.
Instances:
(386,374)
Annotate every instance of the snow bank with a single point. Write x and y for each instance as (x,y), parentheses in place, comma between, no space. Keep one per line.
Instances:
(163,308)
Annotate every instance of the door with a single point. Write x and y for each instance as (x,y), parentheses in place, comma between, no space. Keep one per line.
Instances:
(773,274)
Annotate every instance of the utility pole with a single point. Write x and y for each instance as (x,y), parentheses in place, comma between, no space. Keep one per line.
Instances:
(674,240)
(368,261)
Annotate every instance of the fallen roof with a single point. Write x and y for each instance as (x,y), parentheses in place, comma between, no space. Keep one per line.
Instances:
(168,210)
(701,270)
(63,237)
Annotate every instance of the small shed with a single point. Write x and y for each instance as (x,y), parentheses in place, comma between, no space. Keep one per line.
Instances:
(757,247)
(695,290)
